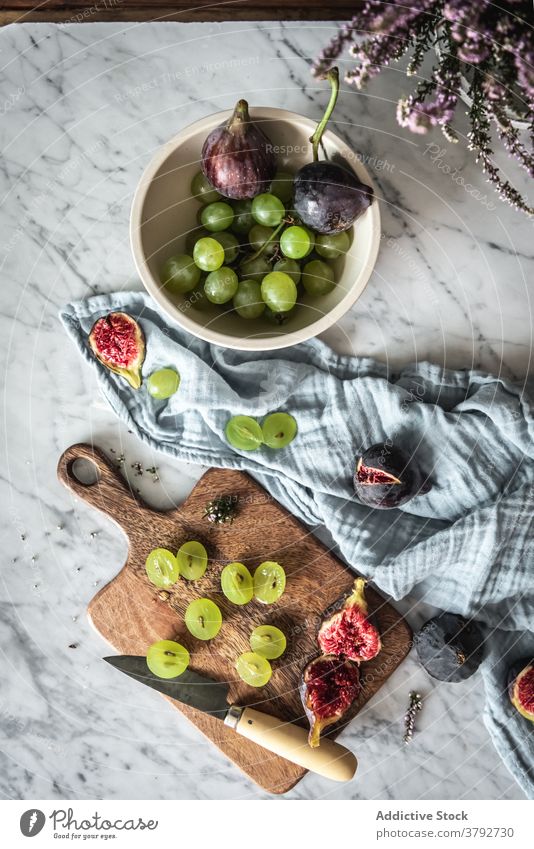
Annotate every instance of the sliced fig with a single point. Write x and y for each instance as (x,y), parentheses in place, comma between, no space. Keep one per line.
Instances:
(237,158)
(521,688)
(349,633)
(118,342)
(385,477)
(450,647)
(329,686)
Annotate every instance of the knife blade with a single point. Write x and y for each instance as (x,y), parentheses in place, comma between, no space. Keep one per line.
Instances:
(285,739)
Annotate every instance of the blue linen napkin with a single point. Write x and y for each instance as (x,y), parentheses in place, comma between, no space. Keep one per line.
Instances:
(466,546)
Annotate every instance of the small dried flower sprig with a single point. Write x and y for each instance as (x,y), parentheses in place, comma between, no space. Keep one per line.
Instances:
(222,510)
(416,704)
(491,46)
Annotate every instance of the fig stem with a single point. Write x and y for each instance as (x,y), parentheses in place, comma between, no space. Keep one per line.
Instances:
(333,78)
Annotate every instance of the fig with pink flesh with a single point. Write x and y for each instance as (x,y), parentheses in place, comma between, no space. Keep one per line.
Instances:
(238,158)
(118,342)
(385,477)
(521,688)
(329,686)
(349,633)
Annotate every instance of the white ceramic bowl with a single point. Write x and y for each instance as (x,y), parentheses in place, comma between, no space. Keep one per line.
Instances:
(163,213)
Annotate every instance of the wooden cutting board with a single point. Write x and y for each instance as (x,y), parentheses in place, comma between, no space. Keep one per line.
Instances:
(130,615)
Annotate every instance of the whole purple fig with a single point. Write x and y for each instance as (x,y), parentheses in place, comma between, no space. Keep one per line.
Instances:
(328,197)
(237,158)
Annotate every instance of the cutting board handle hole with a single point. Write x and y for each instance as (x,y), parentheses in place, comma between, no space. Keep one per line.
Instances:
(84,471)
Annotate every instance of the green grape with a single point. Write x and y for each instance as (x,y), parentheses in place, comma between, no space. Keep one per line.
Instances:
(282,186)
(208,254)
(162,568)
(237,584)
(243,433)
(203,619)
(217,216)
(332,247)
(220,286)
(254,269)
(197,299)
(180,274)
(202,190)
(247,300)
(268,210)
(318,278)
(193,236)
(279,429)
(163,383)
(243,219)
(279,292)
(253,669)
(278,318)
(167,659)
(268,641)
(296,242)
(192,559)
(230,245)
(288,266)
(269,582)
(258,236)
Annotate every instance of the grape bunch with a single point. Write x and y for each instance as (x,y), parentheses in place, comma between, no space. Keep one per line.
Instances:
(254,257)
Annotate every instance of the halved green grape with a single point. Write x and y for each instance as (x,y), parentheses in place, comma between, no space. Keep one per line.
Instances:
(268,641)
(203,619)
(268,210)
(220,286)
(237,583)
(162,568)
(244,433)
(288,266)
(167,659)
(202,190)
(192,559)
(180,274)
(332,247)
(217,216)
(253,669)
(279,292)
(163,383)
(269,582)
(318,278)
(295,242)
(230,244)
(208,254)
(282,186)
(254,269)
(243,219)
(248,302)
(279,429)
(259,235)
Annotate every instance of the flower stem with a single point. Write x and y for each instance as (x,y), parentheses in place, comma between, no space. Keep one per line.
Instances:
(333,78)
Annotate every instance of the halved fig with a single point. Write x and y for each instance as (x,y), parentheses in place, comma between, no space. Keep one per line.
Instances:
(385,477)
(118,342)
(521,688)
(349,633)
(329,686)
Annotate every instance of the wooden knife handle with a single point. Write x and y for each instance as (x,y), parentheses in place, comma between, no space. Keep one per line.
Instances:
(290,741)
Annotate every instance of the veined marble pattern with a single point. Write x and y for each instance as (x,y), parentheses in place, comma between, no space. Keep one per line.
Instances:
(82,110)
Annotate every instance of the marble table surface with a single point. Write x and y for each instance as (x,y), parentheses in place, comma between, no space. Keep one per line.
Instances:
(83,109)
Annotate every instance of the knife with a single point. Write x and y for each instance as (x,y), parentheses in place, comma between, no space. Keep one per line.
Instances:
(285,739)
